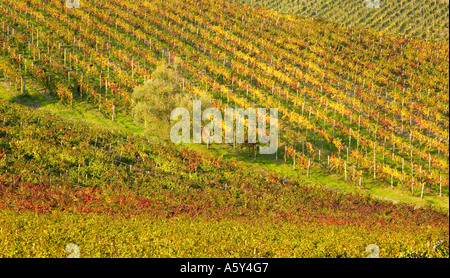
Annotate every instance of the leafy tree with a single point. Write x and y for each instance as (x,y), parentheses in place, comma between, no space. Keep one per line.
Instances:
(155,100)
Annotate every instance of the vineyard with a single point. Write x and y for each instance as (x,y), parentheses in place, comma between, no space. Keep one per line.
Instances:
(114,195)
(353,103)
(418,18)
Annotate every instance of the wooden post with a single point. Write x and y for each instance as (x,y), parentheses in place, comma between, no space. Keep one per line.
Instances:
(374,162)
(420,173)
(360,180)
(357,141)
(403,171)
(421,194)
(429,170)
(78,173)
(234,139)
(113,112)
(349,141)
(328,158)
(309,165)
(359,123)
(345,170)
(347,154)
(392,177)
(293,163)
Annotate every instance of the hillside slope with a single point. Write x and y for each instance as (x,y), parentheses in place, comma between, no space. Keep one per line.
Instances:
(372,105)
(114,195)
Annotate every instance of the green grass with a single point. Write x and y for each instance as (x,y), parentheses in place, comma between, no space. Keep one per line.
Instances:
(81,110)
(5,94)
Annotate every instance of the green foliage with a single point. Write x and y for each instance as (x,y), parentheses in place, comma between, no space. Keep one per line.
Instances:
(155,99)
